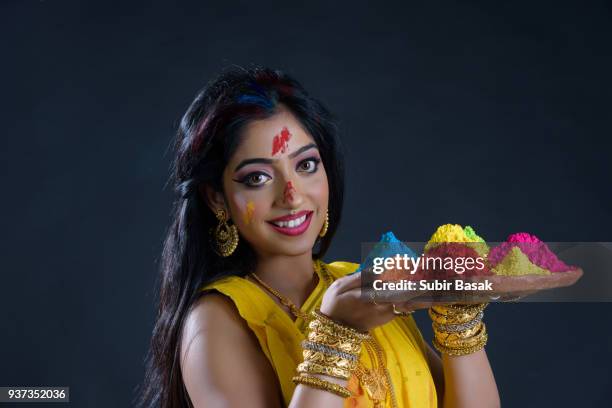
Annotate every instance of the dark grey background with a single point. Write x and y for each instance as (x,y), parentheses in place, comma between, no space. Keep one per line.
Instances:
(497,116)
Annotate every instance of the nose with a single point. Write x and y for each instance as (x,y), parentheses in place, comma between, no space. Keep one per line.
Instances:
(291,197)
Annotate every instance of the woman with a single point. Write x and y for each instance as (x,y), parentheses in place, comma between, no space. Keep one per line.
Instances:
(249,315)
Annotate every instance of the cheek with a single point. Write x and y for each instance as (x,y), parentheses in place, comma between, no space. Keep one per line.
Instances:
(247,208)
(249,212)
(318,189)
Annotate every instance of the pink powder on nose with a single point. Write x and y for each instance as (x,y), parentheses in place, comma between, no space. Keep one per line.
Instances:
(537,251)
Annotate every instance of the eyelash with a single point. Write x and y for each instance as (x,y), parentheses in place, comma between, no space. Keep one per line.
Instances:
(316,161)
(245,179)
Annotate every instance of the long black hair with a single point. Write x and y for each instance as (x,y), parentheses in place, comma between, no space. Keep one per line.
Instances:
(208,135)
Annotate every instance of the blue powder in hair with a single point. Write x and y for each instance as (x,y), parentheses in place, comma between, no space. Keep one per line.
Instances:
(258,100)
(388,246)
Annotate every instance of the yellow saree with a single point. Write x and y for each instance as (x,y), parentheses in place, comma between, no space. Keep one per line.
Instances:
(280,339)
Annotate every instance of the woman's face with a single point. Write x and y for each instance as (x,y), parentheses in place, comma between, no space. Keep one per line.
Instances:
(276,186)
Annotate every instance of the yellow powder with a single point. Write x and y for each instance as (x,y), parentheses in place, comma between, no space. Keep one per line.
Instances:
(248,215)
(456,233)
(516,263)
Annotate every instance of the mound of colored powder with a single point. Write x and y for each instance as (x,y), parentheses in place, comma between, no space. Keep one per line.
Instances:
(516,263)
(523,237)
(388,246)
(455,233)
(433,263)
(471,234)
(536,251)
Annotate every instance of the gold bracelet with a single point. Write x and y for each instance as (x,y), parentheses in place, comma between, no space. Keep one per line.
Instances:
(462,343)
(314,368)
(328,360)
(459,335)
(460,351)
(463,308)
(453,328)
(321,384)
(320,320)
(451,318)
(347,346)
(319,326)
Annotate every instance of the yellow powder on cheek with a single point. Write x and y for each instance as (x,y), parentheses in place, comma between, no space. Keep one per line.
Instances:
(249,211)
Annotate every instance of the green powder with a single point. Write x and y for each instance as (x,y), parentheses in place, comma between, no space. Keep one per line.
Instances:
(471,234)
(449,233)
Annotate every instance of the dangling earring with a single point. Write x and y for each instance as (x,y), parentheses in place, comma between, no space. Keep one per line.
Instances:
(225,237)
(325,225)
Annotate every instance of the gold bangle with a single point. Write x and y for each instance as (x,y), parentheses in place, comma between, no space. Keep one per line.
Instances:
(328,360)
(321,384)
(347,346)
(319,326)
(458,335)
(314,368)
(460,308)
(460,351)
(458,318)
(344,331)
(462,343)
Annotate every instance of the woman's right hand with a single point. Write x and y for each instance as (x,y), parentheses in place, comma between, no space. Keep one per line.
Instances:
(344,303)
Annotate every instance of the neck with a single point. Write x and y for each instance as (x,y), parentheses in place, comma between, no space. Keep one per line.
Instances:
(292,276)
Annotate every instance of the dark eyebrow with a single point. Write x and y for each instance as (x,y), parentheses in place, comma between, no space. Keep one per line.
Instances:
(270,161)
(251,161)
(302,149)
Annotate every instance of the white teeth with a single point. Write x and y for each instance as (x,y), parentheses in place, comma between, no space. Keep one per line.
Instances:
(291,224)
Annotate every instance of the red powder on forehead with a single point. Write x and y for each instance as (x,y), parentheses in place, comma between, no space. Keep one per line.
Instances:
(537,251)
(289,189)
(279,144)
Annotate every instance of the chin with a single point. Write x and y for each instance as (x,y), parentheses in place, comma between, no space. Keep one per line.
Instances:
(289,247)
(295,248)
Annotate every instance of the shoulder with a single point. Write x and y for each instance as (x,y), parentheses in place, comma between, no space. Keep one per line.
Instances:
(214,319)
(218,352)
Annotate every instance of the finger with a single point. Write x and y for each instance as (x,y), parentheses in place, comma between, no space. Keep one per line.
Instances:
(348,282)
(408,306)
(357,295)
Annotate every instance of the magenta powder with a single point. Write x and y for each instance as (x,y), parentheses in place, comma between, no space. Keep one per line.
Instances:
(523,237)
(537,251)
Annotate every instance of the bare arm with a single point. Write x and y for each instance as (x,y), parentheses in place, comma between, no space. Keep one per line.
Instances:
(464,381)
(223,365)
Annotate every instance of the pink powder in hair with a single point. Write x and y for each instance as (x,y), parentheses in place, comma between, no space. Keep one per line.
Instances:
(537,251)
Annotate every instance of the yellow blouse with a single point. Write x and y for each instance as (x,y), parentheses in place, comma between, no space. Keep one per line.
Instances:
(280,339)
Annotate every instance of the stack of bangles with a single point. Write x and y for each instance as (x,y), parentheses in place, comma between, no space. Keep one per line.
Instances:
(458,329)
(331,349)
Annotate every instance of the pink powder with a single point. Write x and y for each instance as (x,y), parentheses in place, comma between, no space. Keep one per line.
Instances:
(523,237)
(537,252)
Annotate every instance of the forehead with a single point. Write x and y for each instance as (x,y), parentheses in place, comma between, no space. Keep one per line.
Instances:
(258,137)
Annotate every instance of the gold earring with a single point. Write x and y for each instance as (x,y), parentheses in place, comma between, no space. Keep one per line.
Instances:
(225,236)
(325,225)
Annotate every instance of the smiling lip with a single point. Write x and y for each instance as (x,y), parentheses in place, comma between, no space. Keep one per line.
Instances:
(292,231)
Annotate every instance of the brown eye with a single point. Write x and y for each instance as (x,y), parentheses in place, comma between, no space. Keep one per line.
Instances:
(256,179)
(309,165)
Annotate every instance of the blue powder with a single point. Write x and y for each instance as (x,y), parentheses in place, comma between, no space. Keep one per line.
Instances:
(388,246)
(255,100)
